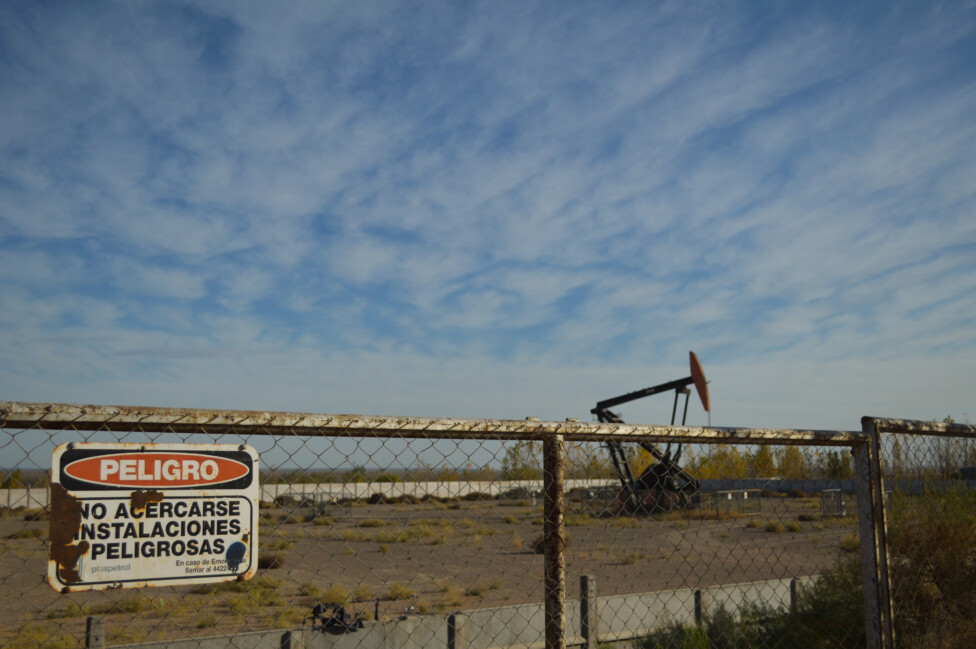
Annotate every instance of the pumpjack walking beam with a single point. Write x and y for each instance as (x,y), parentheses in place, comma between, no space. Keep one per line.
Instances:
(668,464)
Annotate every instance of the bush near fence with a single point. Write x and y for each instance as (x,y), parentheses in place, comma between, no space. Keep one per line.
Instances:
(932,548)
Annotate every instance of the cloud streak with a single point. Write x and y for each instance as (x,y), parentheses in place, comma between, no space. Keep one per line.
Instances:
(455,190)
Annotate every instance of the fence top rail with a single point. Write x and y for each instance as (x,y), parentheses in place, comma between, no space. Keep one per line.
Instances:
(61,416)
(919,427)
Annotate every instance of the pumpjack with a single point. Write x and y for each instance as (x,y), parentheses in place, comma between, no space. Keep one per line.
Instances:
(663,486)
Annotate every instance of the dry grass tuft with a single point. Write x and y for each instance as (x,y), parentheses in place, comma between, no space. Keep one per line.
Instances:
(337,594)
(398,591)
(774,527)
(271,560)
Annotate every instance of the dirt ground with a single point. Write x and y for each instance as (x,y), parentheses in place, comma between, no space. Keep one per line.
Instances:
(423,558)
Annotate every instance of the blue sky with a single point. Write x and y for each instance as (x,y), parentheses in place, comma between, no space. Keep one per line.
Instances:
(491,209)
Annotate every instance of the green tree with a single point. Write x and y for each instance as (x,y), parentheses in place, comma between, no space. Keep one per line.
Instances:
(791,464)
(897,461)
(448,474)
(721,461)
(474,473)
(835,465)
(357,474)
(762,464)
(522,461)
(587,461)
(14,480)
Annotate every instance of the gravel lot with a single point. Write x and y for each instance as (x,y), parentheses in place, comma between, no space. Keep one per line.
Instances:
(424,558)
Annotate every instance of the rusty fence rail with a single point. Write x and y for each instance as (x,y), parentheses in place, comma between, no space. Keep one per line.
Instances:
(485,560)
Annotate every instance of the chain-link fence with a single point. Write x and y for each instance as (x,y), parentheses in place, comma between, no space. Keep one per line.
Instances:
(409,532)
(930,497)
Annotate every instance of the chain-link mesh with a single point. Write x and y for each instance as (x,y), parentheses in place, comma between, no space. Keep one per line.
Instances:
(931,511)
(400,540)
(744,562)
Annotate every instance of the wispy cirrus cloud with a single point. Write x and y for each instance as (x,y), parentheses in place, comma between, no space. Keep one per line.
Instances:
(480,189)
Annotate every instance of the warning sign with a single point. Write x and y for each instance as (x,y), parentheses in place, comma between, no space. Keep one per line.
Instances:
(134,515)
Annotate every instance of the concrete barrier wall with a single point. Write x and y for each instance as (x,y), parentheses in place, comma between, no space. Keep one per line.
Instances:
(30,498)
(817,486)
(460,489)
(507,626)
(631,616)
(40,497)
(415,632)
(275,639)
(620,617)
(362,490)
(781,486)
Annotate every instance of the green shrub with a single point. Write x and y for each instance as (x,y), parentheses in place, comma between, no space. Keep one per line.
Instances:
(775,527)
(337,594)
(374,522)
(675,636)
(251,585)
(206,621)
(931,544)
(932,539)
(135,603)
(400,591)
(271,560)
(361,593)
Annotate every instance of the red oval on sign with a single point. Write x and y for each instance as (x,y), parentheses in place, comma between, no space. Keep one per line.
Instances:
(163,469)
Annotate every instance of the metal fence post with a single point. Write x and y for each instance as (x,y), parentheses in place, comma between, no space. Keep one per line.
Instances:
(699,608)
(554,542)
(873,539)
(881,533)
(95,632)
(455,632)
(588,611)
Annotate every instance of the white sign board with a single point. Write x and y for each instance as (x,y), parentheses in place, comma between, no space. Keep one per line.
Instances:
(135,515)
